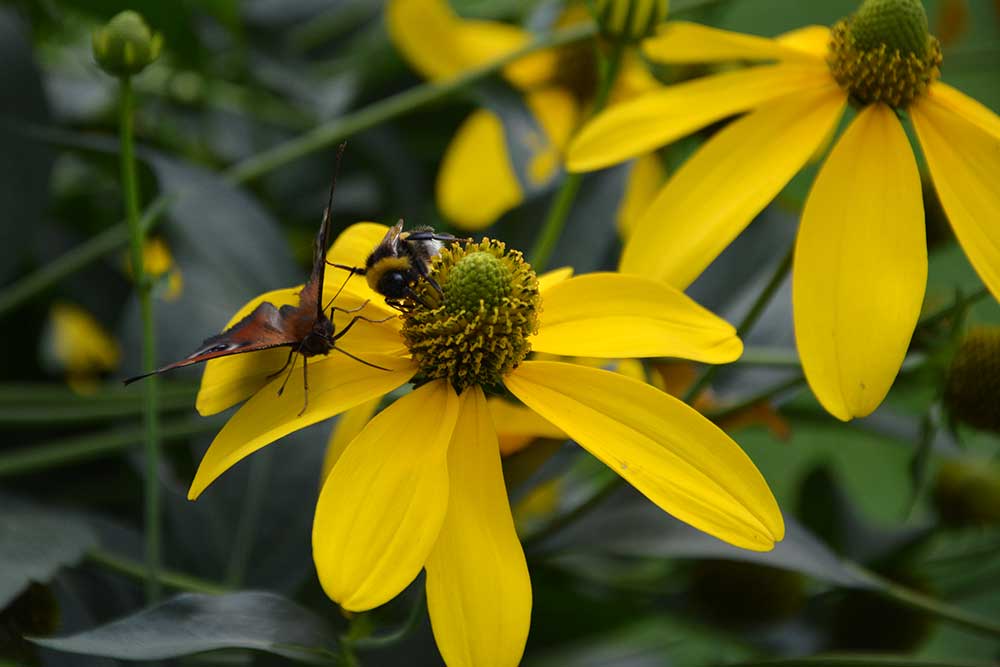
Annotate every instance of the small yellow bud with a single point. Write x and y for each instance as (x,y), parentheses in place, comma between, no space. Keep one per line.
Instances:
(629,20)
(126,45)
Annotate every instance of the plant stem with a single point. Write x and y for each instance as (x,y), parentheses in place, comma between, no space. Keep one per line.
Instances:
(260,468)
(320,137)
(130,190)
(749,320)
(44,456)
(563,201)
(177,580)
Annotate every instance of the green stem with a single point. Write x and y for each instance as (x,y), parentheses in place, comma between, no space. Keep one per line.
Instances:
(81,412)
(563,201)
(260,468)
(63,452)
(130,190)
(749,320)
(138,571)
(770,392)
(319,138)
(917,600)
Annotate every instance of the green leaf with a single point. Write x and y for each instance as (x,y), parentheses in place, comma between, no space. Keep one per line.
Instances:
(195,623)
(35,543)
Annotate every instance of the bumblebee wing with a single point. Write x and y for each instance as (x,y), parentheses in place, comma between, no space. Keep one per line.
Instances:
(262,329)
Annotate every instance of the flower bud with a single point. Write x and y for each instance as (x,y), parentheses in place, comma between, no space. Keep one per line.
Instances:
(629,20)
(972,388)
(126,45)
(967,493)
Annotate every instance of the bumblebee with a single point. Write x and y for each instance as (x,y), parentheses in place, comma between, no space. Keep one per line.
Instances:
(400,260)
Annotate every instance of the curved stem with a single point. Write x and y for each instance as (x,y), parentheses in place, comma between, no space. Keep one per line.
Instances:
(563,201)
(130,191)
(749,320)
(320,137)
(177,580)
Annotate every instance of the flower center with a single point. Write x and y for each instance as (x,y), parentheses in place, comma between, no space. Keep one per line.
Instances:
(477,329)
(884,53)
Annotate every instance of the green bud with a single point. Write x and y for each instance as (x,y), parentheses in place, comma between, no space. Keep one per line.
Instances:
(972,388)
(967,493)
(629,20)
(899,24)
(126,45)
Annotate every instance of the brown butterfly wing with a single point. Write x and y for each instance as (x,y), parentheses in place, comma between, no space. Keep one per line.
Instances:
(264,328)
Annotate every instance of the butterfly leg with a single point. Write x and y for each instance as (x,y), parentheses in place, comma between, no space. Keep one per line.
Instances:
(281,389)
(305,385)
(282,369)
(354,320)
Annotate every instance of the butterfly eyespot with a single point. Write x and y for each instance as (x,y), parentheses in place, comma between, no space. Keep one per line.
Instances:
(218,348)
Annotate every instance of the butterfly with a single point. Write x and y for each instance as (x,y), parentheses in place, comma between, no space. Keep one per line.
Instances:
(305,329)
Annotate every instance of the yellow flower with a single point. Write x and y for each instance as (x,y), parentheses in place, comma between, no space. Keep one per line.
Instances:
(477,181)
(421,486)
(860,258)
(76,344)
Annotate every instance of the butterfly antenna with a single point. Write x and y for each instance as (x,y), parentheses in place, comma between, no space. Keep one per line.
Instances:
(333,181)
(342,286)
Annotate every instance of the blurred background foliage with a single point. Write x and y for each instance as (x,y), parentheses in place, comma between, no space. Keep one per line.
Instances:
(894,520)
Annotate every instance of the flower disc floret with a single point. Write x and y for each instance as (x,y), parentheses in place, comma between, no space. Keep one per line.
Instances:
(972,389)
(479,329)
(884,53)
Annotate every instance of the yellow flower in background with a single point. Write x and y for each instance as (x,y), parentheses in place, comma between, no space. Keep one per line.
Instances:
(78,345)
(477,181)
(158,264)
(860,258)
(421,486)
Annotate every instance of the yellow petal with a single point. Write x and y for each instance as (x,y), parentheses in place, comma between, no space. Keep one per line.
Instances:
(478,591)
(614,315)
(229,380)
(812,39)
(730,179)
(964,161)
(550,278)
(632,128)
(644,181)
(683,42)
(673,455)
(426,33)
(336,383)
(78,343)
(557,114)
(439,44)
(483,41)
(860,265)
(517,426)
(348,426)
(634,78)
(383,504)
(476,183)
(943,96)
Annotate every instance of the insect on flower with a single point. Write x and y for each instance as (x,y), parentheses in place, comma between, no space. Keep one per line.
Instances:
(400,260)
(305,329)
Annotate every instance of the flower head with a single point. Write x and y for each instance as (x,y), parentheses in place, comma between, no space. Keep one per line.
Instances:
(860,259)
(125,45)
(420,486)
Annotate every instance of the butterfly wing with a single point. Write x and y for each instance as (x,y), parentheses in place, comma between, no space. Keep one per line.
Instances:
(263,328)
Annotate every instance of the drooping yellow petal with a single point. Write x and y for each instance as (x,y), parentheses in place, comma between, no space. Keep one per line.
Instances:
(673,455)
(382,506)
(518,426)
(730,179)
(336,383)
(557,114)
(615,315)
(683,42)
(476,183)
(644,181)
(77,343)
(860,265)
(634,79)
(964,161)
(943,96)
(478,590)
(229,380)
(349,425)
(629,129)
